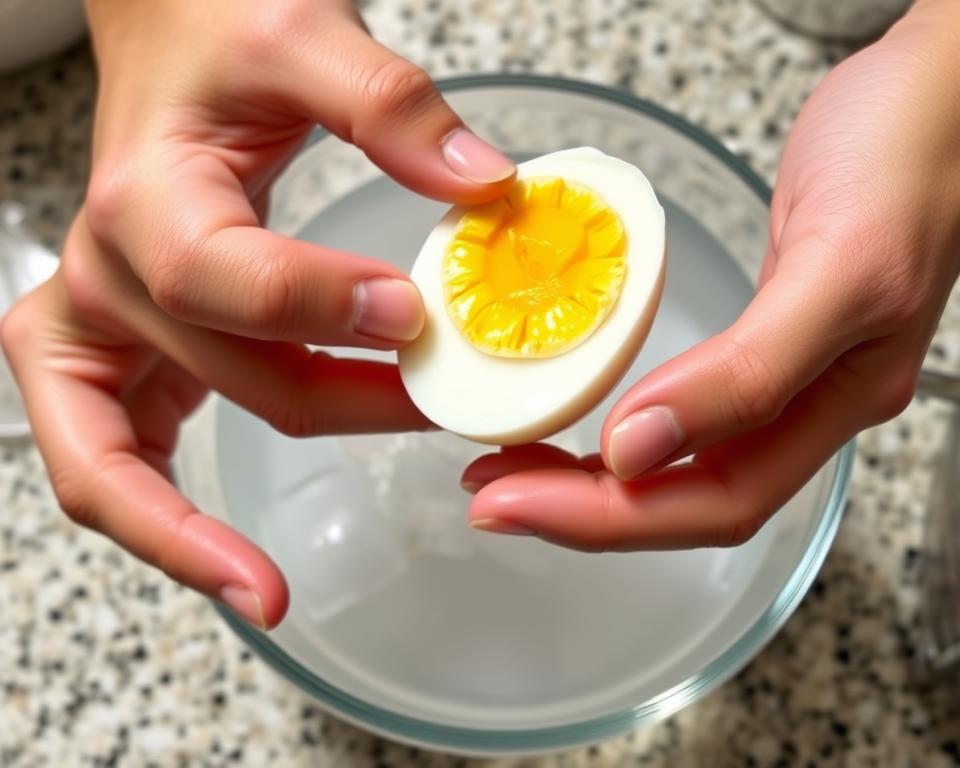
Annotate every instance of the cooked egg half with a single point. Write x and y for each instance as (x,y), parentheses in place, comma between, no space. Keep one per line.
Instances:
(537,303)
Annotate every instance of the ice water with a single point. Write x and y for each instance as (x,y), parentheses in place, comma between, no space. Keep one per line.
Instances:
(396,599)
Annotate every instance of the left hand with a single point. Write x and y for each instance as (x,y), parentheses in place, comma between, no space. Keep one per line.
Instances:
(170,286)
(864,249)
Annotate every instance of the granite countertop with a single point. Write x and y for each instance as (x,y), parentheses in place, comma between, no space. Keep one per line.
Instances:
(105,662)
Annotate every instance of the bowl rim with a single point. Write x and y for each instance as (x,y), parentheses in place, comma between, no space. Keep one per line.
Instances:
(477,741)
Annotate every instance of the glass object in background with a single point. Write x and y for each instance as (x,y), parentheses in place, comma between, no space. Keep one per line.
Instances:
(24,264)
(940,586)
(837,19)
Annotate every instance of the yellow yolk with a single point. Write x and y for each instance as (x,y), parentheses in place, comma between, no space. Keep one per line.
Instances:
(535,273)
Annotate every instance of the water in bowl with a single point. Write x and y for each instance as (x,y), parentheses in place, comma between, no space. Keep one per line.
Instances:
(395,599)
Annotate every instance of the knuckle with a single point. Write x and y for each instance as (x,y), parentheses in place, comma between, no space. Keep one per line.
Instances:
(272,28)
(757,391)
(895,394)
(16,329)
(168,544)
(108,195)
(748,511)
(902,304)
(287,414)
(69,486)
(742,528)
(606,518)
(590,547)
(82,285)
(169,278)
(304,408)
(876,270)
(289,421)
(395,88)
(293,419)
(606,535)
(272,304)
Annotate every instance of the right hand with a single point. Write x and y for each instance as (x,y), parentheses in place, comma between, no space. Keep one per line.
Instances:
(169,285)
(862,256)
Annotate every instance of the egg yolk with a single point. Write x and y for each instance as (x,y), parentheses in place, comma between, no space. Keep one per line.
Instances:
(535,273)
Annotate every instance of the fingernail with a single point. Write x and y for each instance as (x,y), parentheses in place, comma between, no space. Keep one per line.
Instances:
(388,309)
(471,157)
(246,603)
(643,439)
(496,525)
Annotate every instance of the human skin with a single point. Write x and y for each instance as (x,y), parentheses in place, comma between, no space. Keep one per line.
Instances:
(169,286)
(864,249)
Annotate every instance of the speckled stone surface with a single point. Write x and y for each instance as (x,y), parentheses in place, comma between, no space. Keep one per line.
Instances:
(104,662)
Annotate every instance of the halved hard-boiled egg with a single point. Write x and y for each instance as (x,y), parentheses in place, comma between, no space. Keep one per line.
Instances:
(537,303)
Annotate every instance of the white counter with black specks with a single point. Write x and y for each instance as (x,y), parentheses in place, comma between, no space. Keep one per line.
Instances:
(104,662)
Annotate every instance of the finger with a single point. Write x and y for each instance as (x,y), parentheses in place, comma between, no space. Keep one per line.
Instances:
(156,405)
(390,108)
(299,391)
(734,382)
(721,499)
(90,450)
(492,466)
(193,239)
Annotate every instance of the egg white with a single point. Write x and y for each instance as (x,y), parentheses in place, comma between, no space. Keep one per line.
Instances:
(510,401)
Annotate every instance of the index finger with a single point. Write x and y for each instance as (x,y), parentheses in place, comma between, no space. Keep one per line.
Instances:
(193,238)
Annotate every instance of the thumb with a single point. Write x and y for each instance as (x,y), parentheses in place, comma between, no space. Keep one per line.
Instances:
(732,383)
(388,107)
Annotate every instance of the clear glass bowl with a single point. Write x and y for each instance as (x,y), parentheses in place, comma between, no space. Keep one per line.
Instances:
(939,657)
(405,621)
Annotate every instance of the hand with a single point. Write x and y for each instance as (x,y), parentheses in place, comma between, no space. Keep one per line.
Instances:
(169,286)
(864,248)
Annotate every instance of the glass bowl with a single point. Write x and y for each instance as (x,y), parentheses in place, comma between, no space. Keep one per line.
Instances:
(408,623)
